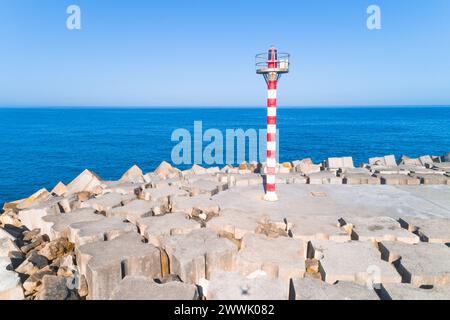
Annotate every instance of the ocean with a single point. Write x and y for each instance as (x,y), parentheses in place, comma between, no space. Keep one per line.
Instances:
(41,146)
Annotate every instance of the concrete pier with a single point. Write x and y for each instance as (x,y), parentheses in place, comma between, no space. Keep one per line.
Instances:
(379,231)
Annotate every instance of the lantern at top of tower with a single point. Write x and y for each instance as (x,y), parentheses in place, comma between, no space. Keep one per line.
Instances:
(272,62)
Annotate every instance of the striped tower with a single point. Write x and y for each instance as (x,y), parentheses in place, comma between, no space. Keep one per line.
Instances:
(271,129)
(272,65)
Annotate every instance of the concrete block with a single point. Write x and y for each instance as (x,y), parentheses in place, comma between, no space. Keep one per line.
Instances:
(307,228)
(143,288)
(417,169)
(163,194)
(280,257)
(38,197)
(104,264)
(433,230)
(432,179)
(324,177)
(107,202)
(10,286)
(136,209)
(134,174)
(239,223)
(203,186)
(124,188)
(337,163)
(166,171)
(196,255)
(57,226)
(59,189)
(398,179)
(234,286)
(404,291)
(81,233)
(188,205)
(388,161)
(313,289)
(358,178)
(86,181)
(32,218)
(377,229)
(425,160)
(352,261)
(156,229)
(307,167)
(419,264)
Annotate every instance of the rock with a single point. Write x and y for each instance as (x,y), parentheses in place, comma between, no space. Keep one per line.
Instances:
(143,288)
(31,235)
(324,177)
(9,218)
(102,230)
(419,264)
(239,223)
(156,229)
(86,181)
(106,263)
(59,190)
(10,287)
(108,201)
(7,245)
(312,289)
(166,171)
(259,252)
(32,264)
(233,286)
(38,242)
(134,174)
(57,226)
(435,230)
(31,285)
(196,255)
(377,229)
(196,169)
(403,291)
(307,228)
(53,288)
(56,248)
(352,261)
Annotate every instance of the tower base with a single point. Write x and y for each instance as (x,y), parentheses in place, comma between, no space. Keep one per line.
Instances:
(271,196)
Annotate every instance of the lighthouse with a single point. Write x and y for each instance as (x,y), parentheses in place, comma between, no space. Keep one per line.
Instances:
(272,65)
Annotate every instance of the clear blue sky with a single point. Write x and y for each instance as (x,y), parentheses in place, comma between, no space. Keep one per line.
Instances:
(201,53)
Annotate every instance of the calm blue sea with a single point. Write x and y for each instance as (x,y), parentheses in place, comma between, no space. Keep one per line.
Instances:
(40,147)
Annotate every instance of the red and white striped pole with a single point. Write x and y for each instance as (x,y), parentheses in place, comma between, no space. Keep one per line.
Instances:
(271,163)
